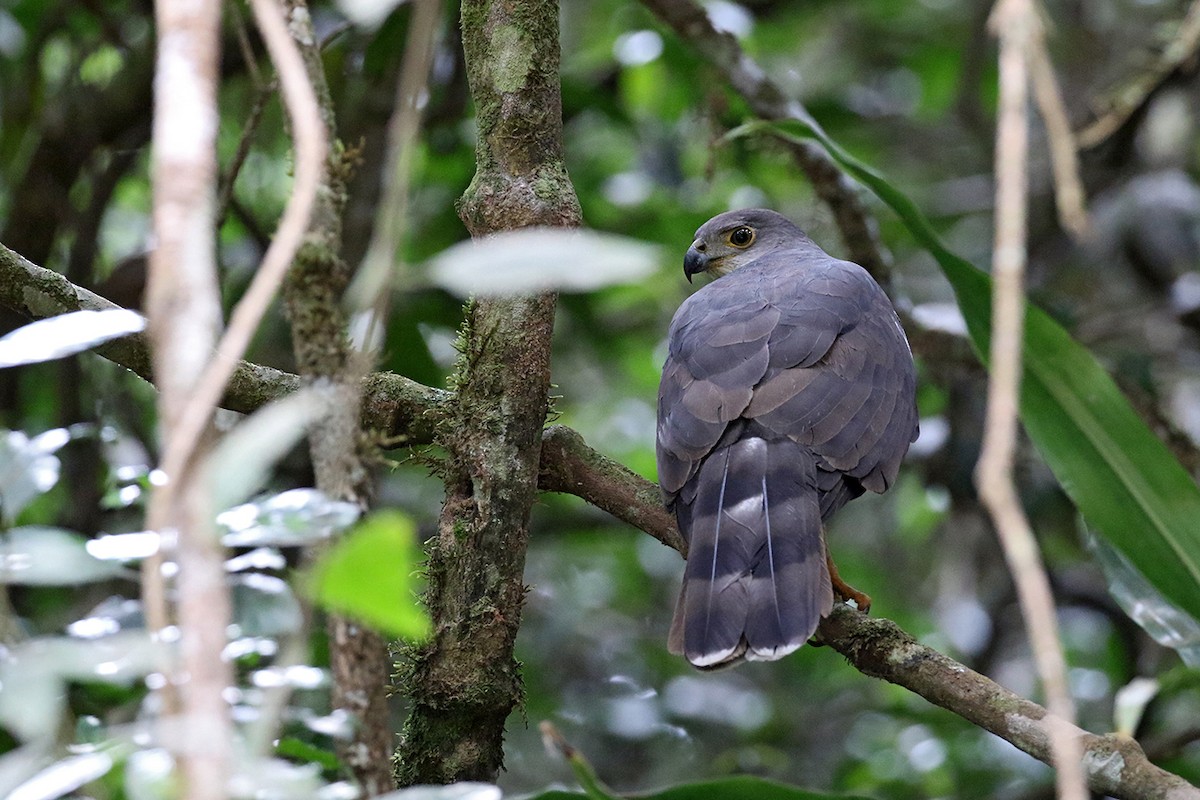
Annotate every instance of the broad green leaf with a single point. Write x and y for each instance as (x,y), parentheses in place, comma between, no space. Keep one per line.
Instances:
(370,575)
(742,786)
(297,750)
(1120,476)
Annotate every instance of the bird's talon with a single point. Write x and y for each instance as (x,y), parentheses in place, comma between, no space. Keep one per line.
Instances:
(861,600)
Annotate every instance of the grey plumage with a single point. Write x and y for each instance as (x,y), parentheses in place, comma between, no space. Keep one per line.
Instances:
(788,390)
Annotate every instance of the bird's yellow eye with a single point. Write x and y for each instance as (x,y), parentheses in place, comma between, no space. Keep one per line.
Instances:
(741,237)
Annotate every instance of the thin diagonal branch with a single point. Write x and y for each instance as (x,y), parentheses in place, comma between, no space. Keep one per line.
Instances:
(1064,156)
(1127,99)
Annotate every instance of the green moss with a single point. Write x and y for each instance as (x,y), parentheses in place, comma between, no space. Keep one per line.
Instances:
(512,58)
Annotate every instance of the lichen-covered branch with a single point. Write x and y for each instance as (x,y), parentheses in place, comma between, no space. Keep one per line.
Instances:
(1115,765)
(404,411)
(570,466)
(844,198)
(464,682)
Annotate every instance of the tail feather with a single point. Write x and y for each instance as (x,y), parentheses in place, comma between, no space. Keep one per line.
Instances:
(756,584)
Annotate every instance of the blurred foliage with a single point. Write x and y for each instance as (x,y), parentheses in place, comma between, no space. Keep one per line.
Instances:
(905,86)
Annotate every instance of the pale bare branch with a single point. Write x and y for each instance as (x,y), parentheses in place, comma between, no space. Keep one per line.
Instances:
(1014,22)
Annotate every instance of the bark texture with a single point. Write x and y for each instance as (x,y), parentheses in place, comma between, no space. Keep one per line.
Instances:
(465,682)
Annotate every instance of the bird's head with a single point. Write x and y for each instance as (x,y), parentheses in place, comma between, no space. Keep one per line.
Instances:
(735,238)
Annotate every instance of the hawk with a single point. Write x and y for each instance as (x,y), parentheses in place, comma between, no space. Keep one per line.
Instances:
(789,389)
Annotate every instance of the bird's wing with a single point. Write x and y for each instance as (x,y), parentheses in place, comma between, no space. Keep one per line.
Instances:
(812,352)
(851,404)
(718,354)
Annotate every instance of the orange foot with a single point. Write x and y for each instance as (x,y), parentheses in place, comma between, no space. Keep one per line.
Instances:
(845,590)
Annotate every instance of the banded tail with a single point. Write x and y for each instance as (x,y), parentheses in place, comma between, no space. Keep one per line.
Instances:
(756,583)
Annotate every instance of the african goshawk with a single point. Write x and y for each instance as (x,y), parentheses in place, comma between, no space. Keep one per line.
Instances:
(788,390)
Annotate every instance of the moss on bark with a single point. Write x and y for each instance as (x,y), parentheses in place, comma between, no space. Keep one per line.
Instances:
(464,683)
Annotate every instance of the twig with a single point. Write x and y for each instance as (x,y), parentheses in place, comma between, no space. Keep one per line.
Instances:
(843,196)
(1064,157)
(1014,22)
(225,192)
(245,47)
(1127,100)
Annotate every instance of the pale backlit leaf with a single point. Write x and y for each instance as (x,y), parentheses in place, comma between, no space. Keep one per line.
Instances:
(28,467)
(35,555)
(63,777)
(291,518)
(241,463)
(542,259)
(453,791)
(367,13)
(264,606)
(67,334)
(35,672)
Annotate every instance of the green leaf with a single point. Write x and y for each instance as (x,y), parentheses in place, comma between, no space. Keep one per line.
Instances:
(1120,476)
(297,750)
(370,575)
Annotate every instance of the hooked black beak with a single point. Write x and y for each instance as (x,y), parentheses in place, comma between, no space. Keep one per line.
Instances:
(695,261)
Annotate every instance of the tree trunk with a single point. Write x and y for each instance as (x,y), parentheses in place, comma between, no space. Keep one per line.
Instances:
(464,683)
